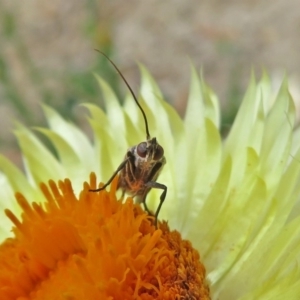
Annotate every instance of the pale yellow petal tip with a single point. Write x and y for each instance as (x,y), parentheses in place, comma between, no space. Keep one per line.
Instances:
(95,247)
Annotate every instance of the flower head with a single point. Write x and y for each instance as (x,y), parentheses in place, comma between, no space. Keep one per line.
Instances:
(95,247)
(236,201)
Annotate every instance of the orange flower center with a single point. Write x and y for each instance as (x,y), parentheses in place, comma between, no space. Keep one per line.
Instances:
(95,247)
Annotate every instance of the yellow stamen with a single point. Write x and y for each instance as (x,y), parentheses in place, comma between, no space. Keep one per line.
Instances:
(95,247)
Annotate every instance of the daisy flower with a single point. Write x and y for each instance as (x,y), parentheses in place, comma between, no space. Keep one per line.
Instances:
(232,205)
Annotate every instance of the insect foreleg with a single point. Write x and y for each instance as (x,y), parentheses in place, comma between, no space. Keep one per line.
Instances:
(121,166)
(156,185)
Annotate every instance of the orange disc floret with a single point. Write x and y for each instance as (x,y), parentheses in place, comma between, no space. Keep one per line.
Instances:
(95,247)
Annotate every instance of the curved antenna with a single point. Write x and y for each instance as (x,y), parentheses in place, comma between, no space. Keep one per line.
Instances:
(131,91)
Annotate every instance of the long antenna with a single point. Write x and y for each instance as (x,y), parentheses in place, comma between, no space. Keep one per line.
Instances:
(131,91)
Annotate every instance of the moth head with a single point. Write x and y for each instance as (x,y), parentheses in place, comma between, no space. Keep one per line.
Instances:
(150,150)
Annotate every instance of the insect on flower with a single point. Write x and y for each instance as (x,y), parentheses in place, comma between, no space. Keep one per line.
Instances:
(142,164)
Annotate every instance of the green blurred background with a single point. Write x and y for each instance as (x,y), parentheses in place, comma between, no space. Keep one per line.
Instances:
(47,52)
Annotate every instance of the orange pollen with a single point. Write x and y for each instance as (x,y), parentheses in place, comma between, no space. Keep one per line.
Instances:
(95,247)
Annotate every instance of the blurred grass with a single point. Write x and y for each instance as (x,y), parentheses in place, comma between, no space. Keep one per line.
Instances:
(76,85)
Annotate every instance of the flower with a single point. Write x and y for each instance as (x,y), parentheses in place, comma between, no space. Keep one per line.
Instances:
(95,247)
(236,201)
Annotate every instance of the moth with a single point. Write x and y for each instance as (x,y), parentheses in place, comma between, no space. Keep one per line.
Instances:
(142,164)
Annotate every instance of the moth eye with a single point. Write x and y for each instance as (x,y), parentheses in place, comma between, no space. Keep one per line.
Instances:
(159,152)
(142,149)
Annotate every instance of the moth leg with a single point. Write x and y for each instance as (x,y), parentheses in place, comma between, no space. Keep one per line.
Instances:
(156,185)
(121,166)
(141,199)
(146,207)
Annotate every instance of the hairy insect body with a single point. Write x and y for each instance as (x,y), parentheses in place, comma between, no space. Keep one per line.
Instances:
(141,166)
(145,161)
